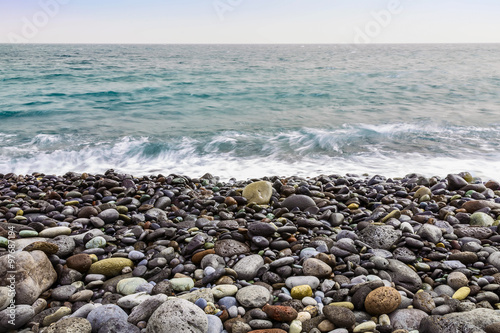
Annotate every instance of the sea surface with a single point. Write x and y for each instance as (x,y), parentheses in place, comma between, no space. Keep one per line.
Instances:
(248,111)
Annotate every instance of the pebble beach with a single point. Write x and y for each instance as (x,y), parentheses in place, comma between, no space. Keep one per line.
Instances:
(336,253)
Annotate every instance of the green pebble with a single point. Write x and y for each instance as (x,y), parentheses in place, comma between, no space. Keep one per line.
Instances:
(4,242)
(481,219)
(182,284)
(422,267)
(145,197)
(129,285)
(426,287)
(122,209)
(28,233)
(425,197)
(209,246)
(469,193)
(125,218)
(178,180)
(73,194)
(96,242)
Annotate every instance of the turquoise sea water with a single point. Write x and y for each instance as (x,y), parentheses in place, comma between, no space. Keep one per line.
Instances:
(250,110)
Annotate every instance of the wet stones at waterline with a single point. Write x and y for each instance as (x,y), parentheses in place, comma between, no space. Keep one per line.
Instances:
(94,253)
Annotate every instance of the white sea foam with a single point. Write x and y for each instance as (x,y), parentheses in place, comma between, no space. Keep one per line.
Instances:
(128,156)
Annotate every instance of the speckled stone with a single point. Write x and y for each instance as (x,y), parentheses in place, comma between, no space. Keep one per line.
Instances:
(70,325)
(48,248)
(382,300)
(457,280)
(280,313)
(340,316)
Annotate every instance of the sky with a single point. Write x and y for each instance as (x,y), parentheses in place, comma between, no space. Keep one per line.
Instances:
(250,21)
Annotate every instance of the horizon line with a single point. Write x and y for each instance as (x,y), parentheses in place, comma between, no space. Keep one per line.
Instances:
(132,43)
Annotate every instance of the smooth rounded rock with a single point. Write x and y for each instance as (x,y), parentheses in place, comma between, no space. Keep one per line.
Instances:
(481,219)
(54,232)
(181,284)
(224,290)
(294,281)
(214,324)
(457,280)
(128,286)
(101,314)
(316,267)
(298,201)
(80,262)
(407,319)
(254,296)
(110,267)
(299,292)
(461,293)
(403,275)
(96,242)
(109,215)
(248,267)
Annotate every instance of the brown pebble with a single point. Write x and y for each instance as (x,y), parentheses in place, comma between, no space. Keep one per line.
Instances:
(224,280)
(382,300)
(80,262)
(46,247)
(326,326)
(198,256)
(228,324)
(493,328)
(229,201)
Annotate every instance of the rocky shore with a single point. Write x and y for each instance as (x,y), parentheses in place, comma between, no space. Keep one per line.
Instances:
(117,253)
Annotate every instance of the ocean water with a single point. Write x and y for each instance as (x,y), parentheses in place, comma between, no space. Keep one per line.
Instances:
(247,111)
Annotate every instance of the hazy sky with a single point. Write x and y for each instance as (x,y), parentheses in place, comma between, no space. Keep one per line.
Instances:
(250,21)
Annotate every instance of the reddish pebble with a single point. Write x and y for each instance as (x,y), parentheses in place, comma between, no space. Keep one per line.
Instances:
(280,313)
